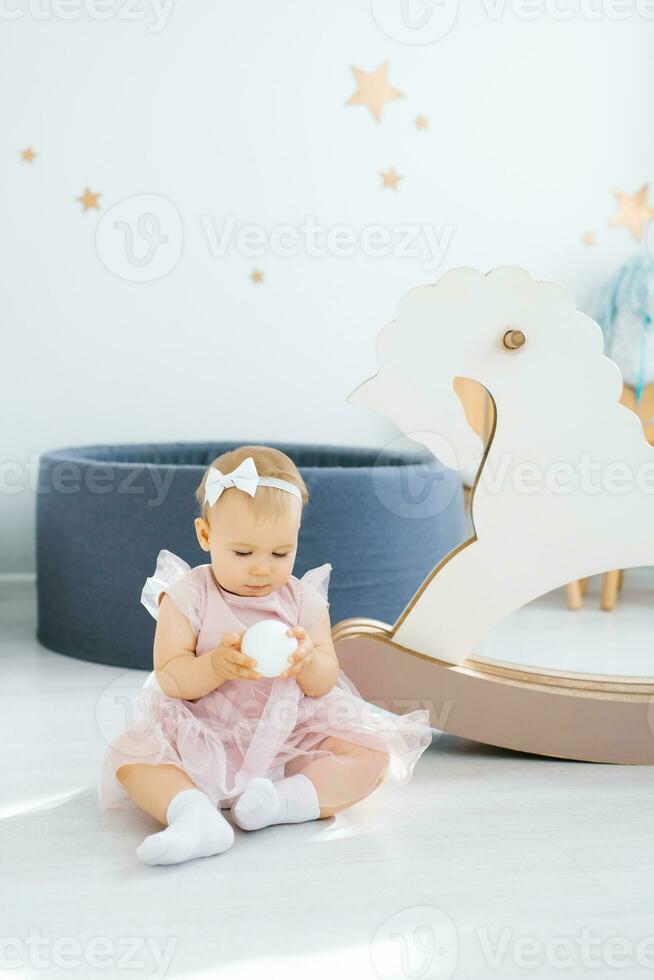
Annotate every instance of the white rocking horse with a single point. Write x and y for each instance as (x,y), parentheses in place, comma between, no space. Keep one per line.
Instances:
(565,490)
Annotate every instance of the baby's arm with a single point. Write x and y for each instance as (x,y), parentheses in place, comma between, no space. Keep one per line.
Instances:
(321,674)
(179,672)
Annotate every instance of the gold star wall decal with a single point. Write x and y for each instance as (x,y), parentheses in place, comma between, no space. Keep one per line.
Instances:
(633,211)
(390,178)
(589,238)
(28,154)
(257,276)
(422,122)
(374,90)
(89,199)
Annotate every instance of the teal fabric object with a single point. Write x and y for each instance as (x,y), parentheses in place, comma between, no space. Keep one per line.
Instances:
(624,309)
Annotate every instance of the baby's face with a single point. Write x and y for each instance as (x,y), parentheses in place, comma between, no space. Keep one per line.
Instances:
(245,554)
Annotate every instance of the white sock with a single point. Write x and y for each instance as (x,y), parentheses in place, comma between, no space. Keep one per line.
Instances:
(196,828)
(289,800)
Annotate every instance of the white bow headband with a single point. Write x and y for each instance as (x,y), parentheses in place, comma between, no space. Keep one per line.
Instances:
(244,477)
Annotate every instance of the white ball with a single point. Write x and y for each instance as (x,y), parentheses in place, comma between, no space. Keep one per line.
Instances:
(268,643)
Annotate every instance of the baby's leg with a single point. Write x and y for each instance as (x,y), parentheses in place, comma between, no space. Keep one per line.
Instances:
(153,787)
(319,789)
(196,828)
(342,781)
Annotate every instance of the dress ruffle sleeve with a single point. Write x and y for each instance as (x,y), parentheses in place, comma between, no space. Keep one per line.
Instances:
(172,575)
(314,586)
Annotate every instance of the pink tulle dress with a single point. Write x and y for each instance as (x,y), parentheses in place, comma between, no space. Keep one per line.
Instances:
(249,728)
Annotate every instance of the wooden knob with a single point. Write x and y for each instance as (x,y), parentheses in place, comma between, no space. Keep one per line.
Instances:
(513,339)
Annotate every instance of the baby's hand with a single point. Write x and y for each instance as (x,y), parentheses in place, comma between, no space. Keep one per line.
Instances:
(229,663)
(301,657)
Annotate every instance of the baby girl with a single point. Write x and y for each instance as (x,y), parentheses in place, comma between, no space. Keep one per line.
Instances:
(210,732)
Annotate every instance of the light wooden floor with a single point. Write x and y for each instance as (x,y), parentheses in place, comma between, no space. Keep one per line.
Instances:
(484,853)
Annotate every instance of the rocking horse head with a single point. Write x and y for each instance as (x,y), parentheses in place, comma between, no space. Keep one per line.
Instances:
(561,441)
(523,340)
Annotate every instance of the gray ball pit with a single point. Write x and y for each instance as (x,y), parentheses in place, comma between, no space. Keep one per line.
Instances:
(104,512)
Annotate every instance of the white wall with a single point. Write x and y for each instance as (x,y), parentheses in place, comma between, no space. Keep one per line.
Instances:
(237,108)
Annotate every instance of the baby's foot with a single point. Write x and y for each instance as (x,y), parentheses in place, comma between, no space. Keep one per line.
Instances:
(196,828)
(289,800)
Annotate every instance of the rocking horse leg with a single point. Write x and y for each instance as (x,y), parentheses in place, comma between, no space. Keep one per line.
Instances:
(610,589)
(573,594)
(585,582)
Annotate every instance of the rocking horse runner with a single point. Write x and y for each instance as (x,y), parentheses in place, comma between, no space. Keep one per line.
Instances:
(565,490)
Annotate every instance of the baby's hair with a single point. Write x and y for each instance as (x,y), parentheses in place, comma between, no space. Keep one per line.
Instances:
(268,502)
